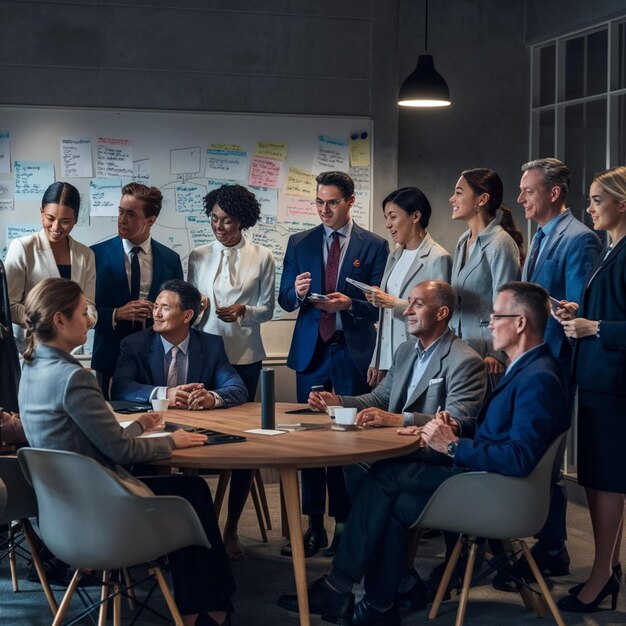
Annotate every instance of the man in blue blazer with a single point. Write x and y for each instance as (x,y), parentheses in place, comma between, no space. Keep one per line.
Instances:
(526,411)
(560,257)
(334,339)
(174,361)
(130,269)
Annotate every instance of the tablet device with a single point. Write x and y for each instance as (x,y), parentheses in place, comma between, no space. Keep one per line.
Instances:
(128,408)
(318,297)
(360,285)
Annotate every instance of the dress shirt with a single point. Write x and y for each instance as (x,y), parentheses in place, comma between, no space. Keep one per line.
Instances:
(228,274)
(548,229)
(344,240)
(419,367)
(160,393)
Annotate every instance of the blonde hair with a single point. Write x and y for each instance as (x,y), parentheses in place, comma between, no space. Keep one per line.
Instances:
(613,182)
(50,296)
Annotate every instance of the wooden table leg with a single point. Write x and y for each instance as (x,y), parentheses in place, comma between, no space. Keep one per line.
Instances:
(289,482)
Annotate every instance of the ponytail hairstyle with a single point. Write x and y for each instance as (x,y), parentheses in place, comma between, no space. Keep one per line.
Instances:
(411,200)
(483,180)
(63,194)
(50,296)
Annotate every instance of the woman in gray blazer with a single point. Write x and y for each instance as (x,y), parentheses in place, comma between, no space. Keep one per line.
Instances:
(62,408)
(486,256)
(50,253)
(416,258)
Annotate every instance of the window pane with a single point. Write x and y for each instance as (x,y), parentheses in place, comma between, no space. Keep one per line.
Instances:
(585,151)
(620,134)
(574,68)
(621,61)
(546,134)
(547,74)
(597,63)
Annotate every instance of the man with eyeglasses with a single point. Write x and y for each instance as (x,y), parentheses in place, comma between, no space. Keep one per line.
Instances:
(334,336)
(517,423)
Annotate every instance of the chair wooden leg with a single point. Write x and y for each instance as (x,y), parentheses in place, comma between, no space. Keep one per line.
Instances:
(258,511)
(445,580)
(222,483)
(258,479)
(169,600)
(467,581)
(130,588)
(554,609)
(528,597)
(415,534)
(27,529)
(12,564)
(117,605)
(65,603)
(104,593)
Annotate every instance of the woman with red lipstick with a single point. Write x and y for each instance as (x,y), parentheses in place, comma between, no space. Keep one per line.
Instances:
(417,257)
(237,279)
(50,253)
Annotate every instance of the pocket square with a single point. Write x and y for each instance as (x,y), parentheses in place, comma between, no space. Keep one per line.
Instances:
(434,381)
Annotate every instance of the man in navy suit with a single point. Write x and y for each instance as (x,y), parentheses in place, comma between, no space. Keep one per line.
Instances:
(526,411)
(129,271)
(334,339)
(560,257)
(175,361)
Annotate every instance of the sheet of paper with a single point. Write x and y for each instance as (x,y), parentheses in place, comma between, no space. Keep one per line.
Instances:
(297,207)
(360,152)
(265,431)
(104,196)
(189,198)
(185,160)
(6,195)
(264,172)
(32,178)
(21,230)
(114,158)
(141,171)
(267,198)
(332,154)
(5,152)
(300,183)
(226,164)
(272,149)
(76,157)
(226,146)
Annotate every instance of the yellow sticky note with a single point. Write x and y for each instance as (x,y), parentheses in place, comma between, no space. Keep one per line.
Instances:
(225,146)
(360,152)
(300,183)
(272,149)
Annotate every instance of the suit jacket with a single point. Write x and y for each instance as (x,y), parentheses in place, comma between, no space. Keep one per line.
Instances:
(364,260)
(526,411)
(112,291)
(455,379)
(140,368)
(431,263)
(600,363)
(569,253)
(255,288)
(30,260)
(62,408)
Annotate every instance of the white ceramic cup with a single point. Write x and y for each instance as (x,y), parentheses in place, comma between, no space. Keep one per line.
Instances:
(331,410)
(160,405)
(345,417)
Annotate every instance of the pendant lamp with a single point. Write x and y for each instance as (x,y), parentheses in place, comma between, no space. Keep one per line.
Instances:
(424,86)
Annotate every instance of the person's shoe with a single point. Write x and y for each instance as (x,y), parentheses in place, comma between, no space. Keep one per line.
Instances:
(417,597)
(206,620)
(366,615)
(314,541)
(549,562)
(576,589)
(334,607)
(573,605)
(334,546)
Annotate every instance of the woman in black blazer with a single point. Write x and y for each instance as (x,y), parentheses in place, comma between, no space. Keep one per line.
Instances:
(600,372)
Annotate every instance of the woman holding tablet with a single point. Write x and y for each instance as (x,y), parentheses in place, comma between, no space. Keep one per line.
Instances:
(417,257)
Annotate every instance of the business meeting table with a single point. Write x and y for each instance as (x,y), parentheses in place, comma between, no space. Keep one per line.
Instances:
(287,453)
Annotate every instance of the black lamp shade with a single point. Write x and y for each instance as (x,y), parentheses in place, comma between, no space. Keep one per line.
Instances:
(425,86)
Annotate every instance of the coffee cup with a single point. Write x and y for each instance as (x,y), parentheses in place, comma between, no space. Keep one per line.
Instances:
(160,405)
(345,417)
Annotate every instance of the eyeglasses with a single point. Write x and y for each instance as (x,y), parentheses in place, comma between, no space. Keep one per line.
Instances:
(332,204)
(496,316)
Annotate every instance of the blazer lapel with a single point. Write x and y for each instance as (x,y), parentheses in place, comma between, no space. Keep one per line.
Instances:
(603,265)
(157,271)
(352,254)
(395,255)
(156,361)
(418,264)
(552,241)
(118,269)
(313,259)
(47,256)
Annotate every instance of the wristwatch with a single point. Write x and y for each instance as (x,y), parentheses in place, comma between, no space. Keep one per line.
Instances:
(451,448)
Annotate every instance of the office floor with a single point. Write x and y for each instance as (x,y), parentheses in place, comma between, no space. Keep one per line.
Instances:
(264,574)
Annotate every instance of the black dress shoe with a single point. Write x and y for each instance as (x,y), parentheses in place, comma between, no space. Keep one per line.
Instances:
(549,562)
(333,547)
(334,607)
(313,540)
(366,615)
(576,589)
(417,597)
(573,605)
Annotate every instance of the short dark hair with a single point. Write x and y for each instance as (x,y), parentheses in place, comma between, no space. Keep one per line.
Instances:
(151,197)
(63,194)
(411,200)
(338,179)
(535,301)
(190,297)
(554,173)
(236,201)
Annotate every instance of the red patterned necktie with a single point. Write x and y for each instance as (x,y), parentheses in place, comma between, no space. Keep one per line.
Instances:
(328,320)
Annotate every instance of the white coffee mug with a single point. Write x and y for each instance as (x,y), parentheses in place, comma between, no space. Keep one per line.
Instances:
(160,405)
(345,417)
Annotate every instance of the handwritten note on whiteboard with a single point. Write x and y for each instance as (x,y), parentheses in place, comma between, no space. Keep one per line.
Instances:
(32,178)
(360,152)
(6,195)
(226,164)
(264,172)
(5,153)
(76,157)
(300,183)
(332,154)
(185,160)
(105,194)
(272,149)
(267,198)
(189,198)
(14,231)
(141,171)
(114,158)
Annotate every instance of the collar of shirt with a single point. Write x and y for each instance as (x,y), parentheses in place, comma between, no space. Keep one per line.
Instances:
(146,246)
(345,230)
(428,352)
(521,356)
(183,346)
(552,224)
(240,244)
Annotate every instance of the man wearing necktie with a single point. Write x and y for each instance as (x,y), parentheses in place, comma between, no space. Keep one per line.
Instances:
(129,271)
(561,255)
(333,339)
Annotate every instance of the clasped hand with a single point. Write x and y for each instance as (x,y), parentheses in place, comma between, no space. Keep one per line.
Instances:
(191,396)
(134,311)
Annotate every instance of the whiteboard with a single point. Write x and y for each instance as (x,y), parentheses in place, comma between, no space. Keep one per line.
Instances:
(179,152)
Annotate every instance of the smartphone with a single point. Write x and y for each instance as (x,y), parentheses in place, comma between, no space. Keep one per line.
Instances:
(317,388)
(554,304)
(318,297)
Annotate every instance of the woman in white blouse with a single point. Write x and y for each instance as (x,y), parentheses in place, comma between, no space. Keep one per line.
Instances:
(50,253)
(237,280)
(417,258)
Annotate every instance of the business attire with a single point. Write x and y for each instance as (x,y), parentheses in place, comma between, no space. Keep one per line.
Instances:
(9,358)
(143,367)
(62,408)
(515,426)
(113,290)
(405,269)
(493,260)
(240,274)
(600,373)
(30,260)
(341,361)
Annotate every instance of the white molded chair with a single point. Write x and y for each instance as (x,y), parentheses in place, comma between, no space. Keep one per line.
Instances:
(482,504)
(90,520)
